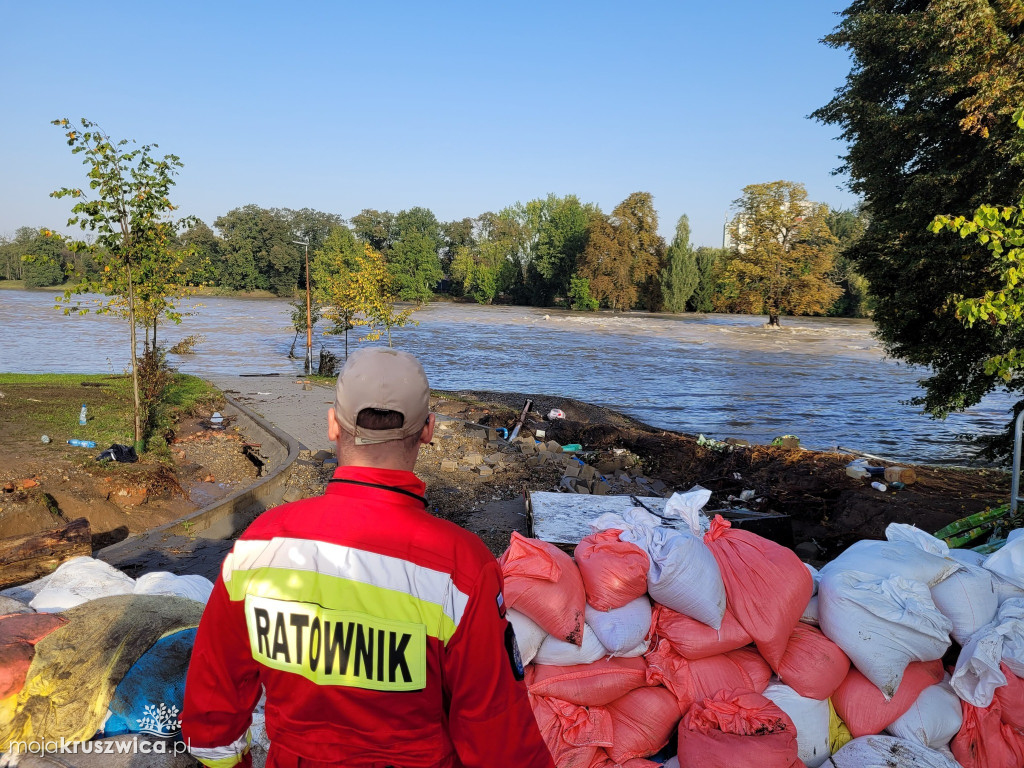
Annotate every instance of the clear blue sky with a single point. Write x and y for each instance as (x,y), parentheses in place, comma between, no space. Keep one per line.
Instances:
(459,107)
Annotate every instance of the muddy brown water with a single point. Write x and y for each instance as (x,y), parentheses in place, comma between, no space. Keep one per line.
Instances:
(823,379)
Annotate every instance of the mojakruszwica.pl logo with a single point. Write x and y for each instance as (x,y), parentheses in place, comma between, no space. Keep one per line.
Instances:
(160,720)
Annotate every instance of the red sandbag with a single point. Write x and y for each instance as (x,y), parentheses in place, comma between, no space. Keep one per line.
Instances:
(642,723)
(813,665)
(542,582)
(15,659)
(573,734)
(595,684)
(737,729)
(863,707)
(985,741)
(699,679)
(1010,698)
(766,585)
(28,627)
(604,760)
(693,640)
(614,572)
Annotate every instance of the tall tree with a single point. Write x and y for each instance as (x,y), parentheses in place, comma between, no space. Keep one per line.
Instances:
(679,276)
(783,250)
(333,277)
(413,258)
(454,235)
(378,228)
(709,262)
(848,227)
(206,257)
(638,230)
(924,112)
(45,261)
(607,264)
(561,239)
(258,250)
(12,250)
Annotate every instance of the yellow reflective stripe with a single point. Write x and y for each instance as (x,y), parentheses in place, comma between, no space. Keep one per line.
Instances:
(223,757)
(340,594)
(356,565)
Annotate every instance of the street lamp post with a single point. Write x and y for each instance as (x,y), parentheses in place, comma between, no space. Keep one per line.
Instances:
(309,312)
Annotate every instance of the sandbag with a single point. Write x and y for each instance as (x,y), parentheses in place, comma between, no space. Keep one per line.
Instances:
(838,734)
(737,729)
(812,665)
(766,584)
(78,580)
(692,639)
(559,653)
(81,662)
(9,605)
(985,741)
(684,575)
(614,572)
(882,624)
(968,557)
(15,659)
(544,583)
(155,681)
(811,719)
(932,720)
(621,629)
(883,559)
(888,752)
(529,634)
(911,534)
(978,669)
(596,684)
(865,709)
(18,633)
(572,733)
(691,681)
(604,760)
(193,587)
(968,598)
(1007,562)
(1010,698)
(642,723)
(810,614)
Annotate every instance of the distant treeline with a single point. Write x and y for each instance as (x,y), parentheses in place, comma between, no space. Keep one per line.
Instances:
(553,251)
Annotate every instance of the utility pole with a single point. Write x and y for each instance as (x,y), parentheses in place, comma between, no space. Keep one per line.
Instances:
(309,312)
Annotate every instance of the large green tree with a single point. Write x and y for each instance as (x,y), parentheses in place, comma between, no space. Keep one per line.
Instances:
(679,276)
(637,222)
(258,250)
(783,251)
(606,264)
(377,228)
(710,263)
(561,239)
(413,258)
(924,111)
(848,227)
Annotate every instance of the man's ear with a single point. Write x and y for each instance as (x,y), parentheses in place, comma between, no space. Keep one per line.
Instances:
(333,428)
(427,434)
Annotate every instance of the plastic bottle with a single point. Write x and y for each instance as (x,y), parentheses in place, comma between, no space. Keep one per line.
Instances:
(81,416)
(82,443)
(879,486)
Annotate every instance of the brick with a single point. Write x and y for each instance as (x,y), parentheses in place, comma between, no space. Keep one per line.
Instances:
(492,433)
(485,471)
(494,458)
(528,447)
(581,488)
(449,466)
(587,472)
(473,458)
(573,470)
(554,446)
(658,486)
(601,488)
(534,461)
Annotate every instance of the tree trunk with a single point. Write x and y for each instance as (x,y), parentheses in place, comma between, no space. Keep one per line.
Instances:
(135,357)
(145,342)
(26,558)
(773,319)
(291,352)
(154,335)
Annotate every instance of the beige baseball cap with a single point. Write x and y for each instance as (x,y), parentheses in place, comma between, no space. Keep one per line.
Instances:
(385,379)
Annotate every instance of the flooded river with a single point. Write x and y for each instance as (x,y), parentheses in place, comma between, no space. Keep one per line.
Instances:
(823,379)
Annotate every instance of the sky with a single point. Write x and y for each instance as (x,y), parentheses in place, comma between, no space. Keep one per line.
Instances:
(458,107)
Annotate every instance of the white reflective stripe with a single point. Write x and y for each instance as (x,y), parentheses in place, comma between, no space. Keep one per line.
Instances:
(237,748)
(382,571)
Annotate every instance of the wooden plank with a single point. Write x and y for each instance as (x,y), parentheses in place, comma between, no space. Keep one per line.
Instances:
(26,558)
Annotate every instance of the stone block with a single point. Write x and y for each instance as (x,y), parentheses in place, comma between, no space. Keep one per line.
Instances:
(554,446)
(573,470)
(494,445)
(473,458)
(494,458)
(569,483)
(601,488)
(790,442)
(534,461)
(658,487)
(485,471)
(528,447)
(736,441)
(492,433)
(587,472)
(449,466)
(582,488)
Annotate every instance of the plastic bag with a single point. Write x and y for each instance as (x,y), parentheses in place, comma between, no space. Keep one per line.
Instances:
(558,653)
(687,507)
(693,640)
(544,583)
(811,718)
(684,575)
(529,634)
(933,720)
(968,598)
(813,665)
(572,733)
(864,708)
(838,734)
(888,752)
(767,585)
(595,684)
(79,580)
(738,729)
(614,572)
(1007,562)
(622,629)
(881,624)
(117,452)
(642,723)
(193,587)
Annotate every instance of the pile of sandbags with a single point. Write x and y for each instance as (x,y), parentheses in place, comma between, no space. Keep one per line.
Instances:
(728,646)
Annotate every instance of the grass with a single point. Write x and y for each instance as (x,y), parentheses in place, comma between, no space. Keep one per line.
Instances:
(13,285)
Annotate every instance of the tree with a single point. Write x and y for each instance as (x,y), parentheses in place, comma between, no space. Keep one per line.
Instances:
(129,216)
(709,262)
(332,271)
(638,225)
(561,239)
(206,255)
(374,294)
(606,264)
(783,250)
(679,276)
(924,113)
(45,259)
(377,228)
(579,295)
(258,250)
(848,227)
(413,258)
(12,250)
(454,235)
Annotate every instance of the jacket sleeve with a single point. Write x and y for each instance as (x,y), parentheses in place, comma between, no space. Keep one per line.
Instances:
(490,719)
(222,687)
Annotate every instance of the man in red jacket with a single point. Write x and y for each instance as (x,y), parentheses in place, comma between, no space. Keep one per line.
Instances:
(377,630)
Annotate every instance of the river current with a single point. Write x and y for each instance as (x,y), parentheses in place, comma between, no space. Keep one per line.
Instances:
(823,379)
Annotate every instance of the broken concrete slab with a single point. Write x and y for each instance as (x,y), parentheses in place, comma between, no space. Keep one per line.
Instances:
(587,472)
(447,465)
(473,458)
(485,471)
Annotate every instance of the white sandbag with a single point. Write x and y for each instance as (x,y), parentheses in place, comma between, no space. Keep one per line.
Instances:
(881,624)
(810,614)
(529,634)
(621,629)
(9,605)
(79,580)
(977,673)
(815,575)
(893,558)
(643,647)
(193,587)
(888,752)
(969,599)
(1007,562)
(559,653)
(968,557)
(914,535)
(811,718)
(687,507)
(1005,590)
(933,720)
(672,762)
(684,576)
(635,521)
